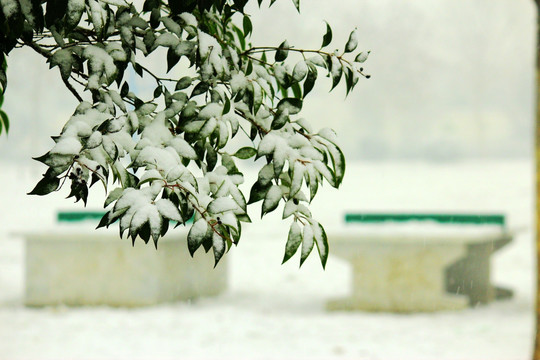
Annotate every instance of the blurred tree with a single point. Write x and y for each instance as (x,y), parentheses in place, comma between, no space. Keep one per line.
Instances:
(171,153)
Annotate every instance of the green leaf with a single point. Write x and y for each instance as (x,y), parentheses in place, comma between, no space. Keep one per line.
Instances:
(46,185)
(327,38)
(113,196)
(124,90)
(271,200)
(338,160)
(280,119)
(197,235)
(172,59)
(258,191)
(200,88)
(293,105)
(158,91)
(211,157)
(307,243)
(293,242)
(296,4)
(227,106)
(248,27)
(310,80)
(336,71)
(4,119)
(282,52)
(245,153)
(218,243)
(228,162)
(321,240)
(183,83)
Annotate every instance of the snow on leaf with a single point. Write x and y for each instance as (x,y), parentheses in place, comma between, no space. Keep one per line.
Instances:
(307,243)
(267,144)
(197,235)
(297,178)
(171,25)
(150,175)
(289,208)
(317,60)
(146,109)
(67,146)
(321,240)
(218,243)
(99,61)
(166,40)
(113,196)
(271,200)
(324,171)
(238,82)
(168,210)
(293,241)
(98,15)
(115,96)
(266,174)
(63,58)
(300,71)
(208,128)
(362,57)
(183,148)
(352,43)
(221,205)
(211,110)
(328,134)
(9,7)
(188,19)
(115,2)
(116,51)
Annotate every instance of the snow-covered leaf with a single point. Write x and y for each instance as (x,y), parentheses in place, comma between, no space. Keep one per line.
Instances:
(294,240)
(352,43)
(307,243)
(271,200)
(197,234)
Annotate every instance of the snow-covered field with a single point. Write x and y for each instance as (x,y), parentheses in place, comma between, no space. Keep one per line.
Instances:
(277,312)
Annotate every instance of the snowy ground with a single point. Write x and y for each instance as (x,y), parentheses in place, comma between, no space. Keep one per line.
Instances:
(277,312)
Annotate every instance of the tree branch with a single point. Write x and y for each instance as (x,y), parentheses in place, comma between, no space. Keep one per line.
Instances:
(72,89)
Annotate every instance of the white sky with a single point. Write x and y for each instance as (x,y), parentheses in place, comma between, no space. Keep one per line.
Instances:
(449,79)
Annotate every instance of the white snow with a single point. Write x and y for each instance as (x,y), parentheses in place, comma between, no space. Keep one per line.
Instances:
(67,146)
(189,19)
(238,82)
(300,71)
(98,14)
(167,209)
(222,204)
(99,61)
(167,40)
(9,7)
(273,311)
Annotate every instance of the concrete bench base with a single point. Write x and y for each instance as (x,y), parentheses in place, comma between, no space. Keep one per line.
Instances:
(93,268)
(417,273)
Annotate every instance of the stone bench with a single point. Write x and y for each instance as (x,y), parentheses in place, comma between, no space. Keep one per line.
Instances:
(78,265)
(419,262)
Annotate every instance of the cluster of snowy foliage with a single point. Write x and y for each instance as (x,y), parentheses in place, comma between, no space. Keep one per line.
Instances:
(171,156)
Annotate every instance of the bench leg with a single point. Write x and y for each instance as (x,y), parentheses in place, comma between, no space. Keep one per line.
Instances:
(402,279)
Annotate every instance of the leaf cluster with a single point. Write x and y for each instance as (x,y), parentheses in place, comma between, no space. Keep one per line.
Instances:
(169,159)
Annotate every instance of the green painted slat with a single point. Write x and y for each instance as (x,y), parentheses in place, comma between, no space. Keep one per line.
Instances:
(480,219)
(76,216)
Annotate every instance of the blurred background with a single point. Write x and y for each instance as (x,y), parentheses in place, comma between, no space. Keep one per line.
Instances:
(444,124)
